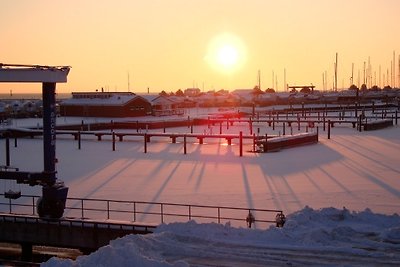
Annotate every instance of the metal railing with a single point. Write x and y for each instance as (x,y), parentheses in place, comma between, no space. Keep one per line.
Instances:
(145,212)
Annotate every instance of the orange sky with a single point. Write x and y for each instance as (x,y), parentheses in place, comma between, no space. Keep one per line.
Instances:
(176,44)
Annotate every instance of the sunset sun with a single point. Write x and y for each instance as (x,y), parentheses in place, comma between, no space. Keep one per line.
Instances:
(226,53)
(227,56)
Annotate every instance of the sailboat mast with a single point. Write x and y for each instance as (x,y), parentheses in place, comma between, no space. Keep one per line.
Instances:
(336,71)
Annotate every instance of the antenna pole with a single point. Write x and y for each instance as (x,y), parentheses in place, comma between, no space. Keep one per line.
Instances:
(284,80)
(352,74)
(394,69)
(336,71)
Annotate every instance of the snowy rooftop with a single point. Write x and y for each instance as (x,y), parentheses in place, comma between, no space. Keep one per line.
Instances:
(100,98)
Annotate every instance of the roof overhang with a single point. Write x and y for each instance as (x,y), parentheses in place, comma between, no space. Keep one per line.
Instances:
(33,73)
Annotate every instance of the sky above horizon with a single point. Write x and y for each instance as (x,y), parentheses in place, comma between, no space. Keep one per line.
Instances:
(160,45)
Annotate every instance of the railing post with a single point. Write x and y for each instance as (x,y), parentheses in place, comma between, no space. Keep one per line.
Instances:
(134,211)
(162,213)
(108,209)
(219,215)
(82,209)
(33,205)
(190,212)
(9,201)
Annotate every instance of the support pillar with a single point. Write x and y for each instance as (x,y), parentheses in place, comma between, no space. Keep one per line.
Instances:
(26,252)
(49,130)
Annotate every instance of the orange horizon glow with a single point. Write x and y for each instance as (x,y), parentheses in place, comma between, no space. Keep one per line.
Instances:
(160,45)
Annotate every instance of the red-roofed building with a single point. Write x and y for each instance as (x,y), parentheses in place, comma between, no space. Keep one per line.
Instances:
(105,104)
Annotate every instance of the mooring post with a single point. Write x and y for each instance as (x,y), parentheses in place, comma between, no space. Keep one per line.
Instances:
(184,144)
(396,117)
(191,128)
(7,151)
(298,123)
(266,142)
(79,140)
(284,128)
(254,142)
(145,143)
(329,129)
(113,141)
(241,143)
(163,126)
(355,110)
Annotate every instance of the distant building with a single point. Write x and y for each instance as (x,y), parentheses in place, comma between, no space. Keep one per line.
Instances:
(192,91)
(165,106)
(105,104)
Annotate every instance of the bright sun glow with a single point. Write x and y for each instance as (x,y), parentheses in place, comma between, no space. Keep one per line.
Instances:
(226,53)
(227,56)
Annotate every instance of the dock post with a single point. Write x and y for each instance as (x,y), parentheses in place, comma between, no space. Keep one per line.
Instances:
(145,143)
(241,143)
(254,142)
(7,151)
(329,129)
(184,144)
(298,123)
(265,147)
(79,140)
(113,141)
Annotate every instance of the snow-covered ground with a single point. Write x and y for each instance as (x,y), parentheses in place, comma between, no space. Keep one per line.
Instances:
(327,237)
(339,196)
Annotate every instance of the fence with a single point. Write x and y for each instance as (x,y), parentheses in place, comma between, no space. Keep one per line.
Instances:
(145,212)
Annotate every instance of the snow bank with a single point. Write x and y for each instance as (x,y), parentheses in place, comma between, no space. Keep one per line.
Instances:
(339,234)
